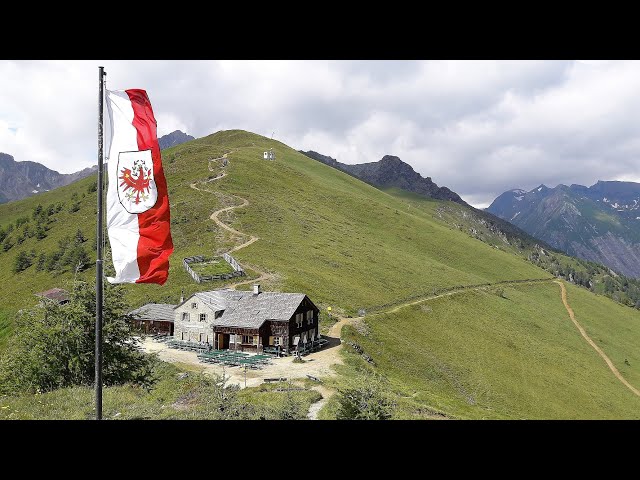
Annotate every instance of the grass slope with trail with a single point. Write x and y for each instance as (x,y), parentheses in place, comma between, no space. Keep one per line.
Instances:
(321,231)
(506,351)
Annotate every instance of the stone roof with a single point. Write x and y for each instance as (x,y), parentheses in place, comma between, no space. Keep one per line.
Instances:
(251,310)
(155,311)
(218,299)
(245,309)
(55,294)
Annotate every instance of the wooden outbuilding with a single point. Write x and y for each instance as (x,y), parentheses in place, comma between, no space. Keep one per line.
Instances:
(154,318)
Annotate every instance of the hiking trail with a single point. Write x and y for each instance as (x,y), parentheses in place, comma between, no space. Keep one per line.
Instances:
(582,331)
(214,216)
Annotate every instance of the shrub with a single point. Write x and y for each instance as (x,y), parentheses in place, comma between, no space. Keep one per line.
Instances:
(22,262)
(365,398)
(53,345)
(37,211)
(41,263)
(41,232)
(79,237)
(7,244)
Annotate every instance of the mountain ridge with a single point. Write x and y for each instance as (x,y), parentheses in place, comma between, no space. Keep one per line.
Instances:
(22,179)
(174,138)
(390,171)
(600,223)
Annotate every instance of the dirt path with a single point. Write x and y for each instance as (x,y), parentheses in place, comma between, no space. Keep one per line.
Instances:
(314,408)
(214,216)
(592,343)
(317,364)
(335,333)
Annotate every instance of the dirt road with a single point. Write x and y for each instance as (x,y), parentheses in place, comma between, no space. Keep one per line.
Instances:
(582,331)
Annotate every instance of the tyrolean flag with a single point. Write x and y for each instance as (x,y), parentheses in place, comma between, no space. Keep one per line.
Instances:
(138,219)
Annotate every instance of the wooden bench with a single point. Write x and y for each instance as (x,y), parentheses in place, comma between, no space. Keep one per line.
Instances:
(270,380)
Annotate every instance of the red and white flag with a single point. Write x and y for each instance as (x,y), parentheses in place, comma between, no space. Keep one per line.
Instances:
(138,218)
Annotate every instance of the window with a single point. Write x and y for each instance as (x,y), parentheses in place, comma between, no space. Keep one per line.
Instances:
(194,305)
(277,341)
(232,338)
(203,317)
(185,317)
(250,339)
(299,319)
(309,317)
(312,334)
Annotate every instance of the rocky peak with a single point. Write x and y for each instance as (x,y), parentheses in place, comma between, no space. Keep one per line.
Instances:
(23,179)
(174,138)
(390,171)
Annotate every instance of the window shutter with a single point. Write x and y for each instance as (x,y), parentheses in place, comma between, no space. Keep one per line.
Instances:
(270,340)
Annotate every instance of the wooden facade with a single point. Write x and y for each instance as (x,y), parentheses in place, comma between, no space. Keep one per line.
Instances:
(284,333)
(157,327)
(154,318)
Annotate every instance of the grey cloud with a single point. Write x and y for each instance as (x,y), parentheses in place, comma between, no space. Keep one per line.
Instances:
(478,127)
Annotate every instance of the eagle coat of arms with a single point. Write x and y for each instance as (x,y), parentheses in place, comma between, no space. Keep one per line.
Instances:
(137,189)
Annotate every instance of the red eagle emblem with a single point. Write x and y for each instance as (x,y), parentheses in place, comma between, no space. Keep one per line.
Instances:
(136,182)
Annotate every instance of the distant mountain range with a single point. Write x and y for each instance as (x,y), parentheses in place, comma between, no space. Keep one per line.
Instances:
(600,223)
(23,179)
(174,138)
(19,180)
(388,172)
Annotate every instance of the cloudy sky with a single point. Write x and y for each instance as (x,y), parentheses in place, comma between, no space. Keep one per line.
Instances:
(477,127)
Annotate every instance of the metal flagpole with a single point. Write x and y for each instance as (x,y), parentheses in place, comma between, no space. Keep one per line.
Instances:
(99,298)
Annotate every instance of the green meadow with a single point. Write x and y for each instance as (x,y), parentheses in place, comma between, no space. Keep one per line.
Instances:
(511,352)
(503,352)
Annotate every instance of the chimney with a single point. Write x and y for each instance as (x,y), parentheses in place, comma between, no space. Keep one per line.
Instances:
(256,289)
(182,296)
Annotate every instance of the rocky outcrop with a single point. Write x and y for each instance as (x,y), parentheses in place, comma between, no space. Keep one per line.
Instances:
(174,138)
(389,172)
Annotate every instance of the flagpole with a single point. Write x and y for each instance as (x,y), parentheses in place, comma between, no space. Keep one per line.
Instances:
(99,298)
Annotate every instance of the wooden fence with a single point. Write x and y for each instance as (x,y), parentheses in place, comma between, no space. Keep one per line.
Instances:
(238,271)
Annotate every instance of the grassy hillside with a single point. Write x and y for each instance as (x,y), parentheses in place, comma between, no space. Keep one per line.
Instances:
(321,231)
(178,395)
(501,235)
(349,245)
(511,352)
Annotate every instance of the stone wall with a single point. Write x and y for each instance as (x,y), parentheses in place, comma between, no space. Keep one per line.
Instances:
(194,330)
